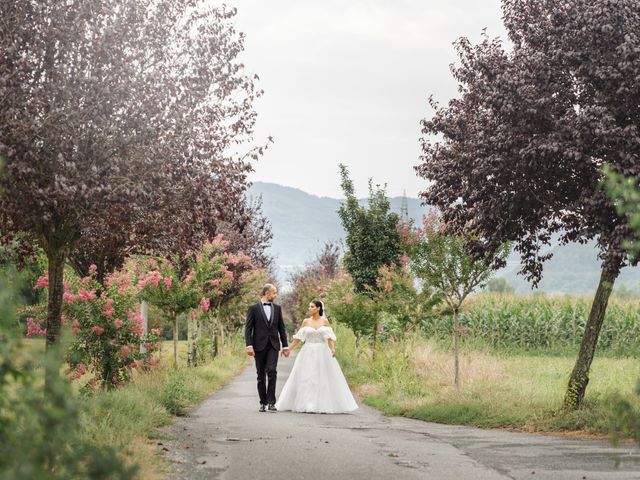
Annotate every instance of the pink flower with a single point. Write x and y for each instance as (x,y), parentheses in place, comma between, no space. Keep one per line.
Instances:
(187,279)
(135,317)
(108,309)
(133,364)
(93,268)
(152,277)
(34,328)
(69,298)
(86,280)
(85,295)
(75,326)
(155,331)
(97,329)
(228,275)
(168,281)
(404,260)
(125,351)
(114,379)
(137,330)
(205,303)
(215,282)
(42,282)
(117,322)
(79,370)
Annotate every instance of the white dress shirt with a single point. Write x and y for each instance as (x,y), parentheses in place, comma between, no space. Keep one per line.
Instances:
(267,310)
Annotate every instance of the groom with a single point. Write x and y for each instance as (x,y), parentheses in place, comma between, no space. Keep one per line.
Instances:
(263,333)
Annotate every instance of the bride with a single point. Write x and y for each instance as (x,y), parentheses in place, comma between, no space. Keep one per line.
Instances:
(316,383)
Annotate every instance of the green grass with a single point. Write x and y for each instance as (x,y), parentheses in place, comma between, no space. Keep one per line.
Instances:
(128,418)
(414,378)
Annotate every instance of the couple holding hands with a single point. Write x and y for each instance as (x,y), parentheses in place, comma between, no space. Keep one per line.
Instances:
(316,383)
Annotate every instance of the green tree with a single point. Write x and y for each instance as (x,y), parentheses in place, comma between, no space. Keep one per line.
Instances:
(372,240)
(443,260)
(626,194)
(499,285)
(355,310)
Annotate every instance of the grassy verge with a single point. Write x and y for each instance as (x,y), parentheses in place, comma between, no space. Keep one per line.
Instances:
(128,418)
(414,378)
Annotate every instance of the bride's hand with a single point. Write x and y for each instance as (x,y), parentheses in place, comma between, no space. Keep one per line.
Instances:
(333,352)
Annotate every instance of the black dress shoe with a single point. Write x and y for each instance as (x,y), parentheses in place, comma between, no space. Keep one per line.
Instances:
(272,408)
(263,408)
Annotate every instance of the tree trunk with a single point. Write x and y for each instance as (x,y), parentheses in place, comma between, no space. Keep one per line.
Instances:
(222,338)
(175,341)
(580,375)
(215,348)
(191,344)
(198,354)
(214,338)
(56,260)
(456,353)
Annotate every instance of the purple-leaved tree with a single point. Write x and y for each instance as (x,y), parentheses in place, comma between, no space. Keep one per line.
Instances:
(518,155)
(120,125)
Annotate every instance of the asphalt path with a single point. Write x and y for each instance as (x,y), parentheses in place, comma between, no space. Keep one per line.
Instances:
(227,438)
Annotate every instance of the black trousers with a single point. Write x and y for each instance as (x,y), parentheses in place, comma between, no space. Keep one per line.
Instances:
(266,365)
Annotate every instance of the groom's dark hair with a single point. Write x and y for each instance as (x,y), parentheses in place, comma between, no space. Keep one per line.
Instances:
(318,303)
(267,288)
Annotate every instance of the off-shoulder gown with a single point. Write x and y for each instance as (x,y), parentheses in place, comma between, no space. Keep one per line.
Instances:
(316,383)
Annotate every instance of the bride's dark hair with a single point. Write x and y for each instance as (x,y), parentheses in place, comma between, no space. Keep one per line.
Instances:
(318,303)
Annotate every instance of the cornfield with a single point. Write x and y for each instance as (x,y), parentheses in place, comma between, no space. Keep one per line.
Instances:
(507,321)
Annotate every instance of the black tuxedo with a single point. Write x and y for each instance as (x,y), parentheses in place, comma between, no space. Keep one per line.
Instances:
(265,335)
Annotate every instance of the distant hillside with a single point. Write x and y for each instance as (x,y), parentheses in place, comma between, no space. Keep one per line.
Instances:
(302,223)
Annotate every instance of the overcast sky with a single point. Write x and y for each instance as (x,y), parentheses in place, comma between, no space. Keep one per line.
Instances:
(348,82)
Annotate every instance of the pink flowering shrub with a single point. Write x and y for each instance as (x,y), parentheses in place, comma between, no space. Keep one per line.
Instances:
(34,328)
(211,275)
(199,284)
(107,329)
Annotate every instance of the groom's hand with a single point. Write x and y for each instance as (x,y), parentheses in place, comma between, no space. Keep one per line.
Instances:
(250,351)
(285,353)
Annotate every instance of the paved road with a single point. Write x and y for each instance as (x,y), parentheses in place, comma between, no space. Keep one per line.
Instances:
(227,438)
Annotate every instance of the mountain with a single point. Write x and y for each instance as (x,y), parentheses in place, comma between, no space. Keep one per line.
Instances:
(302,223)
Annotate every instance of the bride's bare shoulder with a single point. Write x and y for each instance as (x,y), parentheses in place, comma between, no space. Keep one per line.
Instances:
(305,322)
(325,322)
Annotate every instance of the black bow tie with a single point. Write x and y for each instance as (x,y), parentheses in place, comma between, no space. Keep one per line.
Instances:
(267,303)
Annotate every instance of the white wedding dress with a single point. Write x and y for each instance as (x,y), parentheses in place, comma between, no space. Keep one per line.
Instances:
(316,383)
